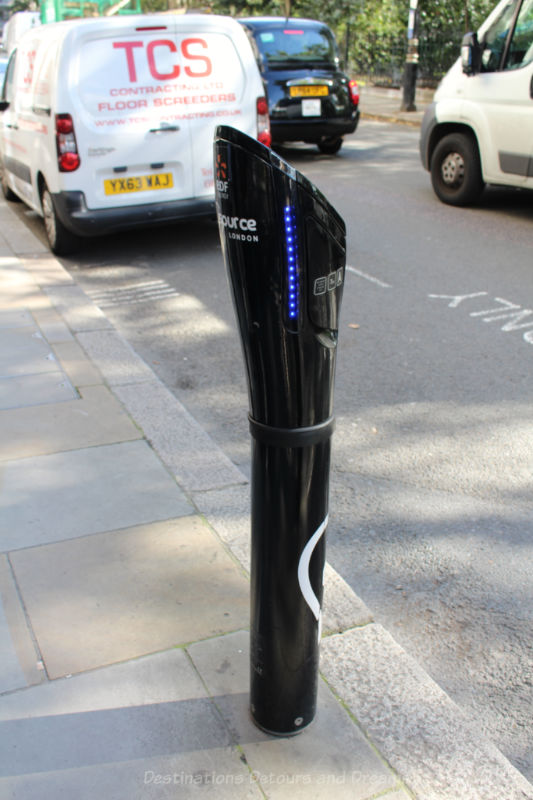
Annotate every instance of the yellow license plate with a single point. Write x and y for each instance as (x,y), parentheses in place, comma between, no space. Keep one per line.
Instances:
(138,183)
(308,91)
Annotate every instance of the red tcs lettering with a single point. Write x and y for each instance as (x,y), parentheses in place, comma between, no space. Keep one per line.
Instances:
(204,70)
(28,76)
(186,43)
(128,47)
(161,76)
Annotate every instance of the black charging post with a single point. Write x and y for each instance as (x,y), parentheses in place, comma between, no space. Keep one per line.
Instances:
(284,250)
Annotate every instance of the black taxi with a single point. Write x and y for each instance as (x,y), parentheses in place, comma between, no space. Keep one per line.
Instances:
(310,99)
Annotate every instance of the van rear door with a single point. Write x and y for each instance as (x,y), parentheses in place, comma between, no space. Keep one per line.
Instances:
(223,87)
(148,93)
(121,77)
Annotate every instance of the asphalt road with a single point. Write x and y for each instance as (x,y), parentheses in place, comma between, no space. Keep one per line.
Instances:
(431,512)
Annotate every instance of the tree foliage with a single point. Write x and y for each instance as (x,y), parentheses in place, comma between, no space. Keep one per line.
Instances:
(23,5)
(372,34)
(149,6)
(376,30)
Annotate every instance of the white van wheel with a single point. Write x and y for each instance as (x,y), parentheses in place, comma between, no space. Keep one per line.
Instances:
(456,170)
(61,241)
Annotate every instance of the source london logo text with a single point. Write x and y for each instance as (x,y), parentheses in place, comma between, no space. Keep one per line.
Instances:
(242,229)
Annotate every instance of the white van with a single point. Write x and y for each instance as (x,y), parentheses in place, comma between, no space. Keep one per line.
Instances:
(479,128)
(17,25)
(108,123)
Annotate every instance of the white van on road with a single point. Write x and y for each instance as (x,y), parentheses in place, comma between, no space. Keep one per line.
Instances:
(16,26)
(479,129)
(108,123)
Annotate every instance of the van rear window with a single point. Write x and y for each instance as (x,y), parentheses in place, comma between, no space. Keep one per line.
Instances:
(294,45)
(150,77)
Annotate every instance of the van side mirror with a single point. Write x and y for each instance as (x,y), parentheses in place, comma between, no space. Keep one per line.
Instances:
(471,54)
(3,105)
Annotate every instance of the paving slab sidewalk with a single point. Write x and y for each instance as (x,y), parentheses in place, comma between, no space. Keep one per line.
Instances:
(385,104)
(124,583)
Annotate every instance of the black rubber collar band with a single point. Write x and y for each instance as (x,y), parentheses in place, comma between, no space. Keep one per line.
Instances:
(292,437)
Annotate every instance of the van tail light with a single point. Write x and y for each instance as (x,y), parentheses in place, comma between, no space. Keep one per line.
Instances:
(354,93)
(68,158)
(263,122)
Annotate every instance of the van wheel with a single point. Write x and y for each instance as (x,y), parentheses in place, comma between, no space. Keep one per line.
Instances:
(330,146)
(61,241)
(456,170)
(8,193)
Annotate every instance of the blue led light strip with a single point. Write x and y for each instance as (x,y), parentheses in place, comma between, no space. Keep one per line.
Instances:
(293,268)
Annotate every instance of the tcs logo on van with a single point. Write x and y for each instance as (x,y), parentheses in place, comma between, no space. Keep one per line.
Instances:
(197,64)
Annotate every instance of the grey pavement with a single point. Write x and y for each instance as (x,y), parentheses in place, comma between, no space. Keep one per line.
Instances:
(385,104)
(124,590)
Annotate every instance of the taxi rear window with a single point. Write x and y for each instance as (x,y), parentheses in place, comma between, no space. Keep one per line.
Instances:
(296,45)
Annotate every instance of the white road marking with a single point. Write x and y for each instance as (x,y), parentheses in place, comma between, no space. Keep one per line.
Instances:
(370,278)
(132,294)
(518,318)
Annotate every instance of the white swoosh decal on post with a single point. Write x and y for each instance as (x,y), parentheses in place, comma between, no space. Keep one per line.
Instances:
(303,574)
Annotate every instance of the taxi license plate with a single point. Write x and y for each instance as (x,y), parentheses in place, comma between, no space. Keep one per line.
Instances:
(308,91)
(139,183)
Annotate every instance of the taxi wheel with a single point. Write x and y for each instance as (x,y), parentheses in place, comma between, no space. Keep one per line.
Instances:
(61,241)
(330,146)
(456,170)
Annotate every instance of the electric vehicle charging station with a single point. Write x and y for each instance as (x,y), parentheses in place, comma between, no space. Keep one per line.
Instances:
(284,249)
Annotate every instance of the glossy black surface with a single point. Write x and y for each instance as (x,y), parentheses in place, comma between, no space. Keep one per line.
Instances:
(289,503)
(284,249)
(290,363)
